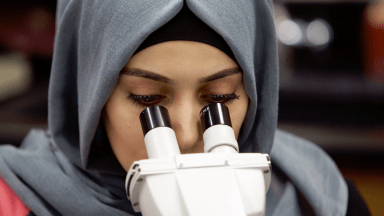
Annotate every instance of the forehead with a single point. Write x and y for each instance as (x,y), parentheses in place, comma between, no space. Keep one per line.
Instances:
(182,58)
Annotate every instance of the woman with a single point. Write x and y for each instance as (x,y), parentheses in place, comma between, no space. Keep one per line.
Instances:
(112,59)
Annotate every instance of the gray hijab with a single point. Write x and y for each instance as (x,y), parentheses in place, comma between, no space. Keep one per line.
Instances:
(70,169)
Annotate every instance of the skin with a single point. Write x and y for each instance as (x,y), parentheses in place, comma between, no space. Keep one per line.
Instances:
(185,66)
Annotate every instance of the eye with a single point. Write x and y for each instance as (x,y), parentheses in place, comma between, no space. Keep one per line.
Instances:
(145,100)
(225,99)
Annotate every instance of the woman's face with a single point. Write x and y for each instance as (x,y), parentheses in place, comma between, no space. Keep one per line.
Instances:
(183,76)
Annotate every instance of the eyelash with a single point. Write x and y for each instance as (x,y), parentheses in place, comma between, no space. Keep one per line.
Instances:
(149,100)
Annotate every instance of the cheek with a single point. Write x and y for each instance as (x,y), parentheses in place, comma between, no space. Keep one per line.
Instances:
(124,132)
(238,110)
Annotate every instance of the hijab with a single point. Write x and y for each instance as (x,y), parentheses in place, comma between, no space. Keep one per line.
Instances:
(70,170)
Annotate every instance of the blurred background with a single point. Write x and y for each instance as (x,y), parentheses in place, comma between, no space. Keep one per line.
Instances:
(331,79)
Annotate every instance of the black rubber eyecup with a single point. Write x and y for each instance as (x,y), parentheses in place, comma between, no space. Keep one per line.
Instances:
(214,114)
(153,117)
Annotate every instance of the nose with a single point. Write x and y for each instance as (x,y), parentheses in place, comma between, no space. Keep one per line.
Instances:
(185,120)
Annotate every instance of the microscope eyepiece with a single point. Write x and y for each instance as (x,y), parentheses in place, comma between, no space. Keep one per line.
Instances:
(153,117)
(214,114)
(159,137)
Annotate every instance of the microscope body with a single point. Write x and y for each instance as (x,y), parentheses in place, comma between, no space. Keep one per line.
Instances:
(200,184)
(218,182)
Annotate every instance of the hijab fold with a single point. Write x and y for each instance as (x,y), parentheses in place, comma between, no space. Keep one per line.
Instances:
(70,169)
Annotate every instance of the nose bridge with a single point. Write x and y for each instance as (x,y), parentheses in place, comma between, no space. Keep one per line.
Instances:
(185,120)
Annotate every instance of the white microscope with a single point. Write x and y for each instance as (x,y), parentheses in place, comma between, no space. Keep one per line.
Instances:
(220,181)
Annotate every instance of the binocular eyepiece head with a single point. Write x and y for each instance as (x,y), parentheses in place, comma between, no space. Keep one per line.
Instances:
(162,141)
(158,116)
(199,179)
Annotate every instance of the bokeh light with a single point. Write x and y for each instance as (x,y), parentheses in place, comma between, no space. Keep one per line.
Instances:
(319,33)
(289,32)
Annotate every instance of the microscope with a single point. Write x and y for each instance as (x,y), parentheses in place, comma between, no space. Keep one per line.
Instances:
(220,181)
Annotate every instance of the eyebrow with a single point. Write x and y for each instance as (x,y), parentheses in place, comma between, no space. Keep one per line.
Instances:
(221,74)
(145,74)
(153,76)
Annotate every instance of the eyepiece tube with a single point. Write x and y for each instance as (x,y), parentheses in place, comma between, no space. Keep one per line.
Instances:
(218,133)
(159,137)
